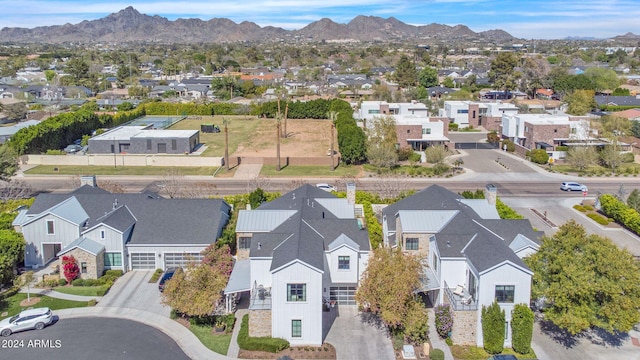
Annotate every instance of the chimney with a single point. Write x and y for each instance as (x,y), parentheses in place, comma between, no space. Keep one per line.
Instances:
(351,193)
(88,180)
(491,193)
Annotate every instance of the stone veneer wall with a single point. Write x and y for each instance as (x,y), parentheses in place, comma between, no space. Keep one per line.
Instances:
(259,323)
(465,325)
(95,264)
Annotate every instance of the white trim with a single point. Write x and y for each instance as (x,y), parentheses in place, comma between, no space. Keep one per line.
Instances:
(53,226)
(301,328)
(506,262)
(299,262)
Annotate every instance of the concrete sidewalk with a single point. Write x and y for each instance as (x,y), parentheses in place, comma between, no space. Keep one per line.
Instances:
(247,171)
(234,349)
(59,295)
(434,338)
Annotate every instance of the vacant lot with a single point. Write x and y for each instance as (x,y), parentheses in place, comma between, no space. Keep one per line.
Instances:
(250,136)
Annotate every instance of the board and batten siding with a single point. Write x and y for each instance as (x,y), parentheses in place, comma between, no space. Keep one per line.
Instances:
(65,233)
(341,275)
(113,240)
(309,311)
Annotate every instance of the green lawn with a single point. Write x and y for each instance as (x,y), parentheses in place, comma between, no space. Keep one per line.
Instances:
(476,353)
(217,343)
(303,170)
(239,127)
(79,290)
(11,305)
(120,170)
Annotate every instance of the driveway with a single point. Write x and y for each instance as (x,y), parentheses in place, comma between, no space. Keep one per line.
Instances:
(356,335)
(83,338)
(133,290)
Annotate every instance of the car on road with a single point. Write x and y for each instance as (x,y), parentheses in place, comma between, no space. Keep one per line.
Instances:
(166,276)
(572,186)
(326,187)
(26,320)
(73,148)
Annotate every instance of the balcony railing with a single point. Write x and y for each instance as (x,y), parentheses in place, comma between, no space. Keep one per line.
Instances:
(463,302)
(260,298)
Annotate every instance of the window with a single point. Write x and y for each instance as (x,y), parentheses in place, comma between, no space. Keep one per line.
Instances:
(174,144)
(426,131)
(374,111)
(411,244)
(343,263)
(463,111)
(83,267)
(112,259)
(505,293)
(408,131)
(148,144)
(434,266)
(296,292)
(50,227)
(102,234)
(113,149)
(296,328)
(244,242)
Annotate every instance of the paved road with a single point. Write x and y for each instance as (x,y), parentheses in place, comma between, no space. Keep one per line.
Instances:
(92,338)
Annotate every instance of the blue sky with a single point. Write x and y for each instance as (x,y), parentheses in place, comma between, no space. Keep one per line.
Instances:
(541,19)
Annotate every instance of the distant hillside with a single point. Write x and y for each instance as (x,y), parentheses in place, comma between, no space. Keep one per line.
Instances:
(128,25)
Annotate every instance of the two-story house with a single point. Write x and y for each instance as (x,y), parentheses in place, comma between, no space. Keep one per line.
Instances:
(119,231)
(296,256)
(473,257)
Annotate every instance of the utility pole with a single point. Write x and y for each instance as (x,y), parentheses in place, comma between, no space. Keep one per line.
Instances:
(333,166)
(278,142)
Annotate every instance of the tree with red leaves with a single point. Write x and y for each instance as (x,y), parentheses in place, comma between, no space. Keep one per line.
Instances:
(70,268)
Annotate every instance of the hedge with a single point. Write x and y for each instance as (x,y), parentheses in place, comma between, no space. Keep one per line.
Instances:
(598,218)
(579,208)
(268,344)
(620,212)
(436,354)
(493,319)
(521,328)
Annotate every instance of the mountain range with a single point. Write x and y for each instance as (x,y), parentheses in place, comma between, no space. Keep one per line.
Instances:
(128,25)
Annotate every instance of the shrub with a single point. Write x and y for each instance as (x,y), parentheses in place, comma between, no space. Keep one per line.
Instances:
(55,152)
(522,328)
(598,218)
(579,208)
(268,344)
(588,207)
(436,354)
(453,127)
(539,156)
(493,328)
(444,320)
(92,302)
(449,341)
(103,290)
(70,266)
(397,340)
(78,282)
(62,282)
(511,147)
(116,273)
(627,157)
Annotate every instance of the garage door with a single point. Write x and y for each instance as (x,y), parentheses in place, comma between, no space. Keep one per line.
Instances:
(343,295)
(180,259)
(143,261)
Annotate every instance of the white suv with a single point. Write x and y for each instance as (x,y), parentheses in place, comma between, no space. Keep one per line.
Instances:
(326,187)
(572,186)
(26,320)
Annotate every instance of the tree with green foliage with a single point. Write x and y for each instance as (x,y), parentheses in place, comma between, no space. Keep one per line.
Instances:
(587,281)
(493,326)
(635,128)
(602,78)
(49,75)
(257,197)
(78,68)
(12,247)
(381,142)
(406,74)
(521,328)
(16,111)
(613,126)
(8,162)
(611,156)
(539,156)
(581,157)
(502,73)
(388,289)
(428,77)
(633,200)
(580,102)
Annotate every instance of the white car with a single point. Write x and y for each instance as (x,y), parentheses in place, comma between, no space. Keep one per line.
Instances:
(572,186)
(326,187)
(26,320)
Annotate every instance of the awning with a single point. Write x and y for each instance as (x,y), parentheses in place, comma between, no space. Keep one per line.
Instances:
(240,279)
(543,145)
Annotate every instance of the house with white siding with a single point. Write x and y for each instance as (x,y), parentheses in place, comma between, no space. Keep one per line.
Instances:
(297,256)
(473,257)
(126,231)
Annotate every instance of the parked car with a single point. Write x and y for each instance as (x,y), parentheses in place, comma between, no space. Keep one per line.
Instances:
(326,187)
(73,148)
(572,186)
(166,276)
(26,320)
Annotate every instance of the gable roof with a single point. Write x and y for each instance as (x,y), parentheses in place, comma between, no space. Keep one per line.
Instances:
(90,246)
(425,221)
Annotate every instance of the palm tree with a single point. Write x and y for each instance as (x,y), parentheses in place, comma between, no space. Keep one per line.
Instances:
(333,116)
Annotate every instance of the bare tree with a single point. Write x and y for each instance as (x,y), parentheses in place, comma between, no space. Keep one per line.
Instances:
(294,184)
(200,190)
(14,190)
(111,186)
(171,184)
(262,182)
(390,187)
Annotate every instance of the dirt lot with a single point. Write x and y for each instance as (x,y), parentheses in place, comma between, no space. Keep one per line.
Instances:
(304,138)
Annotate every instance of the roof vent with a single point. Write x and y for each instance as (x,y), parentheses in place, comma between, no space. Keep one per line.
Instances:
(294,196)
(448,243)
(259,245)
(115,204)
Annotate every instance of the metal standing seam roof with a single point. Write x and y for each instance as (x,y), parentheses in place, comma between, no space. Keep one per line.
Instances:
(338,207)
(522,241)
(69,209)
(482,208)
(425,221)
(240,279)
(85,244)
(261,220)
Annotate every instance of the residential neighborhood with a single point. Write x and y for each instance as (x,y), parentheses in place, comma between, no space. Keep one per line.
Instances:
(364,190)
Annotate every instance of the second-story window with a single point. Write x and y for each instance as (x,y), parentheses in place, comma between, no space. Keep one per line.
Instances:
(50,227)
(296,292)
(343,263)
(244,242)
(411,244)
(505,293)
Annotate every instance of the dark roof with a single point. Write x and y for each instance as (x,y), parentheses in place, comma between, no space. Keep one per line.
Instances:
(617,100)
(157,220)
(307,234)
(485,242)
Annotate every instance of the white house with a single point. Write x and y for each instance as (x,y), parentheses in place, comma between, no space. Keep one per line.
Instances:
(370,109)
(473,257)
(134,231)
(297,255)
(462,112)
